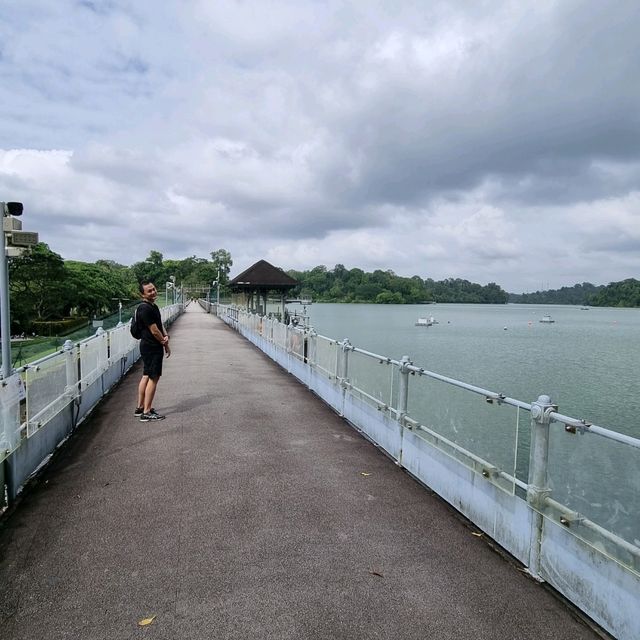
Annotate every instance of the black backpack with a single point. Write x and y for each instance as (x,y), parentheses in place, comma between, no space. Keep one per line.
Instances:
(136,332)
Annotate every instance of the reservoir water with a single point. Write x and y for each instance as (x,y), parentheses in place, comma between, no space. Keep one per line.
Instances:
(586,360)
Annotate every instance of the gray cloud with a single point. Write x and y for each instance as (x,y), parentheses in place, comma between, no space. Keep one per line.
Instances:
(385,135)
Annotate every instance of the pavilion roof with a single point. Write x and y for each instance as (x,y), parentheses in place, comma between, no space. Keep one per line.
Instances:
(263,275)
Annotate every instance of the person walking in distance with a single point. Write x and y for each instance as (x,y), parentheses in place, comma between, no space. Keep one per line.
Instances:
(154,343)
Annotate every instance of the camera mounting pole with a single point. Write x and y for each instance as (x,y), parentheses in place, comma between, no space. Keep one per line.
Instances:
(14,242)
(9,209)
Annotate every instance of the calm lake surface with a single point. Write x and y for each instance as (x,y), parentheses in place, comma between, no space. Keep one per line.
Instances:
(587,361)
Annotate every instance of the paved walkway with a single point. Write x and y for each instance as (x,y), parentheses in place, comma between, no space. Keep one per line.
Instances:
(245,515)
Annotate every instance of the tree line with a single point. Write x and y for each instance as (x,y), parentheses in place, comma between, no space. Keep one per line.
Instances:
(44,287)
(385,287)
(625,293)
(579,294)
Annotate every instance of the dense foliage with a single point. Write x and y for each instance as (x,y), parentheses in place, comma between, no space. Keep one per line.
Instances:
(579,294)
(618,294)
(190,272)
(45,287)
(625,293)
(385,287)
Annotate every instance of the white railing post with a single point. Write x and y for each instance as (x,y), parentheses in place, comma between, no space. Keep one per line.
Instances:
(312,347)
(538,490)
(310,350)
(71,369)
(403,388)
(403,400)
(342,372)
(288,346)
(342,369)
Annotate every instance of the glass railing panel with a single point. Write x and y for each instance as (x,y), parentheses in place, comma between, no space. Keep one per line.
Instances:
(11,394)
(482,434)
(583,467)
(325,355)
(372,379)
(119,342)
(268,329)
(46,388)
(296,342)
(523,449)
(280,335)
(93,359)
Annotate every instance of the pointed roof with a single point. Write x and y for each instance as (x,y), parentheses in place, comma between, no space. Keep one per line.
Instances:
(263,275)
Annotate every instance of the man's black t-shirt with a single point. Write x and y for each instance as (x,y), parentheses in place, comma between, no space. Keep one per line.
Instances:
(148,314)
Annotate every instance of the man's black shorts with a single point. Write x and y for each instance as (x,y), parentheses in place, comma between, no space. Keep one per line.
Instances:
(152,362)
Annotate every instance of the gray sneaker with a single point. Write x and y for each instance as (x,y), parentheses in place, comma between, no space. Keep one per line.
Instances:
(152,415)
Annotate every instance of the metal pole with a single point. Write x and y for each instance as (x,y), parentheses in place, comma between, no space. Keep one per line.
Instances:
(538,490)
(4,310)
(403,389)
(218,289)
(71,369)
(342,367)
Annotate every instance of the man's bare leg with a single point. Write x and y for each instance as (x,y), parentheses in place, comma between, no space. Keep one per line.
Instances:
(149,393)
(141,389)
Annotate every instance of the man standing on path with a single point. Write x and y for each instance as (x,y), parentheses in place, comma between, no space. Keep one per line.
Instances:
(153,342)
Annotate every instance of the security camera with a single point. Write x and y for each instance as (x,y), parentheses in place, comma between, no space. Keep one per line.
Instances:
(13,208)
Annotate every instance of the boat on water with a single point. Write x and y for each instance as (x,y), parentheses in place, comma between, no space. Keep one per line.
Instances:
(426,322)
(547,319)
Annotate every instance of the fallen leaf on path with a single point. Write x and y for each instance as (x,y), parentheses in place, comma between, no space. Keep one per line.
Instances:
(376,573)
(145,622)
(478,535)
(364,473)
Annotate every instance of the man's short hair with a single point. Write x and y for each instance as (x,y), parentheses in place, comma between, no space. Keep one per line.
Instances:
(143,284)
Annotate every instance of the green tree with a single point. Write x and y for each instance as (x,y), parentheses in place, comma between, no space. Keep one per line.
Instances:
(625,293)
(387,297)
(95,289)
(221,260)
(37,287)
(151,269)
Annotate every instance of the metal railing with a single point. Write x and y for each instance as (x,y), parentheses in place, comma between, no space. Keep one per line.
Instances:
(578,477)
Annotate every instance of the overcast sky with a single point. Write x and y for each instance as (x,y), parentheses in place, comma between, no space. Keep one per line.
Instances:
(491,141)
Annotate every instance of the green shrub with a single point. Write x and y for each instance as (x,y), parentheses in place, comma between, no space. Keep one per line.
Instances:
(58,327)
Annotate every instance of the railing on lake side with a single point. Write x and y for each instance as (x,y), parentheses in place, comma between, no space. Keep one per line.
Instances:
(560,494)
(42,402)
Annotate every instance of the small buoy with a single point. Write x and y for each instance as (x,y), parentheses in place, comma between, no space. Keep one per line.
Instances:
(505,328)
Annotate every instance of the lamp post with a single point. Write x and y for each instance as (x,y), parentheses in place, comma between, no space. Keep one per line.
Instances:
(119,309)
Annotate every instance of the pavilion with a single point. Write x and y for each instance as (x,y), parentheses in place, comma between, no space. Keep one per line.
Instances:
(262,289)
